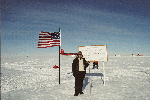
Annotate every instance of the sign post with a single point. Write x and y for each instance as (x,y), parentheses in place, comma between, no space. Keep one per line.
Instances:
(104,72)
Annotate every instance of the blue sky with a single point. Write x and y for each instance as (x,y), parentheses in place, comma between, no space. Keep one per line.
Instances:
(122,25)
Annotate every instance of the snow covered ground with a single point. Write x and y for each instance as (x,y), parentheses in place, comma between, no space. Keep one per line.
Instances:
(33,78)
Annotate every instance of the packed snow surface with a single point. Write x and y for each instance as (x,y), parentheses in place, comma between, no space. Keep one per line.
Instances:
(34,78)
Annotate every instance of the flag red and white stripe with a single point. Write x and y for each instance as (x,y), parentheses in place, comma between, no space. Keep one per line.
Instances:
(47,39)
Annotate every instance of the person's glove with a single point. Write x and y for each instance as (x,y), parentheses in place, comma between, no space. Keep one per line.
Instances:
(86,65)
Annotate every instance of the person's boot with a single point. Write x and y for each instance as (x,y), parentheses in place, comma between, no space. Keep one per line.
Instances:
(76,91)
(80,90)
(76,94)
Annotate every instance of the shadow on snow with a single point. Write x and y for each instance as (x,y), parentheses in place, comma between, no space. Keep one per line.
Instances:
(87,80)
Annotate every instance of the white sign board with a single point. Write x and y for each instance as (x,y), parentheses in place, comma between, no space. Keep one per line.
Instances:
(94,52)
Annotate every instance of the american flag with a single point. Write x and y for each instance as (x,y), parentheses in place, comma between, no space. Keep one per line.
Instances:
(47,39)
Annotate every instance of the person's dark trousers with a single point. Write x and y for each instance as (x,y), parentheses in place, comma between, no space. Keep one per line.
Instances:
(95,64)
(79,82)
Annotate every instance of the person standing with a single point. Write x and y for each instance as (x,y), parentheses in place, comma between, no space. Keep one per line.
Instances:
(95,63)
(79,66)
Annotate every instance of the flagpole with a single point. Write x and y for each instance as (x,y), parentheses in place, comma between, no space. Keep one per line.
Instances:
(59,64)
(59,54)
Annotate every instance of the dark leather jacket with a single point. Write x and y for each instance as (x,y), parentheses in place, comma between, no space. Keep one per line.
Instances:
(75,65)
